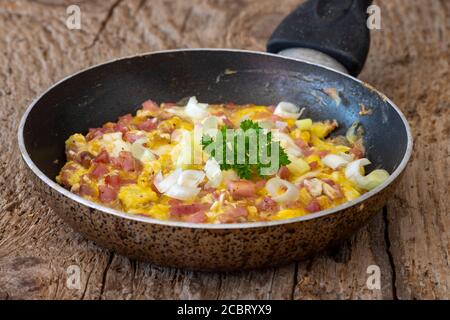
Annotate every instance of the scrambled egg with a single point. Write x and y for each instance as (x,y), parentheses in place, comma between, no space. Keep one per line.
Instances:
(153,164)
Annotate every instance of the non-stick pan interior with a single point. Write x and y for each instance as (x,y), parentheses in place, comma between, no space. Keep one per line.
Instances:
(103,93)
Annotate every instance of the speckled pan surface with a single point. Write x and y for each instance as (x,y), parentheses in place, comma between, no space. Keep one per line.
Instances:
(102,93)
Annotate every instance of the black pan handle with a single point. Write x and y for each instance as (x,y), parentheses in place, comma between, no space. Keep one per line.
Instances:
(336,28)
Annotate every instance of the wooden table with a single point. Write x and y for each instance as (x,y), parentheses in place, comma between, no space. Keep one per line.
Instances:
(409,60)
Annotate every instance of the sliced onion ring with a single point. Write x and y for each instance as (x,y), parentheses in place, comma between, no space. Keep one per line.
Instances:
(368,182)
(274,185)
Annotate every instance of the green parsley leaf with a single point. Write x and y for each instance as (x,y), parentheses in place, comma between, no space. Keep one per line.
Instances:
(248,169)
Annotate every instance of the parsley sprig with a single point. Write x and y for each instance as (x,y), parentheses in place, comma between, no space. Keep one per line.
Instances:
(247,167)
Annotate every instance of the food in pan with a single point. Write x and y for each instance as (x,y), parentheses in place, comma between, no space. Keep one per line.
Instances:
(218,163)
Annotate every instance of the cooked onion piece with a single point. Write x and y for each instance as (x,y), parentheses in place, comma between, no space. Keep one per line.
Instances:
(163,184)
(210,126)
(190,178)
(314,172)
(182,193)
(140,152)
(281,190)
(368,182)
(287,143)
(114,144)
(287,110)
(181,185)
(195,110)
(213,172)
(334,161)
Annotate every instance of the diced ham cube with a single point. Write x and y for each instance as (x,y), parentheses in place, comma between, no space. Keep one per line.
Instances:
(150,106)
(232,215)
(177,209)
(313,206)
(148,125)
(242,189)
(107,194)
(267,204)
(284,173)
(98,171)
(102,157)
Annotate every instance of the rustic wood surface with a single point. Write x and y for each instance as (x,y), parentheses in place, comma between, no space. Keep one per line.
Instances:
(409,61)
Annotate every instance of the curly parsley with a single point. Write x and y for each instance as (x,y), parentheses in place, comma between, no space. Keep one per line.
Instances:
(240,146)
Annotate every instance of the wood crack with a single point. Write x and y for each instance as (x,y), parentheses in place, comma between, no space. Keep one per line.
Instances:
(294,282)
(104,23)
(105,273)
(389,253)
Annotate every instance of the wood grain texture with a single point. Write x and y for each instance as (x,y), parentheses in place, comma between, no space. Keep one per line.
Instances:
(409,241)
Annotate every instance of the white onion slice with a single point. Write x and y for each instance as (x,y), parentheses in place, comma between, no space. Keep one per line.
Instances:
(288,144)
(287,110)
(346,156)
(276,184)
(113,136)
(210,126)
(266,124)
(352,171)
(178,111)
(181,192)
(368,182)
(213,172)
(334,161)
(114,144)
(119,146)
(196,110)
(140,152)
(163,184)
(190,178)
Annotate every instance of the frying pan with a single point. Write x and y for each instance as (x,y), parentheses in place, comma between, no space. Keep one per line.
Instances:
(332,31)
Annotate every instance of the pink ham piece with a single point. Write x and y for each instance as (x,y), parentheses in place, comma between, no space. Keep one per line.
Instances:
(232,215)
(115,181)
(149,105)
(313,164)
(107,194)
(99,171)
(304,146)
(86,190)
(284,173)
(313,206)
(102,157)
(132,137)
(179,209)
(242,189)
(85,158)
(148,125)
(94,133)
(267,204)
(126,161)
(125,119)
(199,217)
(357,151)
(322,153)
(260,184)
(228,122)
